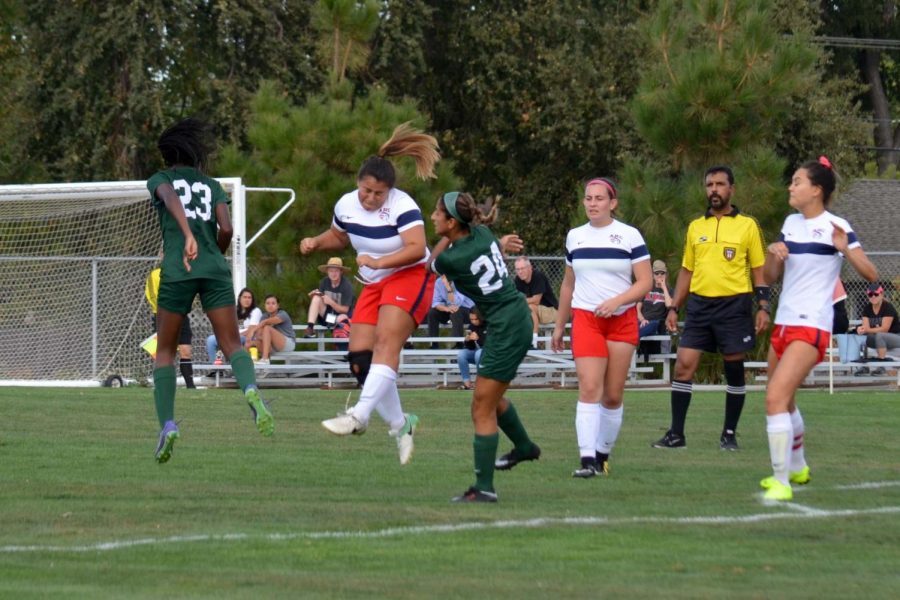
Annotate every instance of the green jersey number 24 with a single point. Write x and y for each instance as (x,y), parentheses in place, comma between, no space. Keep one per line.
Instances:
(492,270)
(183,189)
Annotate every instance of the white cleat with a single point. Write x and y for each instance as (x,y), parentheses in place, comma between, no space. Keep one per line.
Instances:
(404,437)
(345,424)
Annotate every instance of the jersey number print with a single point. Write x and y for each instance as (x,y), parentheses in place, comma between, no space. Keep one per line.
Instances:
(204,212)
(492,270)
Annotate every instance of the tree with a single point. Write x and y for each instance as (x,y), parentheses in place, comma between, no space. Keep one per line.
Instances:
(879,20)
(723,83)
(101,80)
(529,97)
(317,149)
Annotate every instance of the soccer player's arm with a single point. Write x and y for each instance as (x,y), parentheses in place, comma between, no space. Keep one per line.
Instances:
(333,238)
(167,195)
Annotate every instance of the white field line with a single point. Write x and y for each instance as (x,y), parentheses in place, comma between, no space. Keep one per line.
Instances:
(869,485)
(458,527)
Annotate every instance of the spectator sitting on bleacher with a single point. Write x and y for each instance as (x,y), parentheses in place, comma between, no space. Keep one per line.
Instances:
(880,324)
(248,314)
(275,332)
(330,303)
(448,305)
(539,294)
(471,351)
(651,313)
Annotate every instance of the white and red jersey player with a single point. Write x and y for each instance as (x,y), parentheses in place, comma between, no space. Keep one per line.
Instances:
(377,233)
(812,270)
(602,259)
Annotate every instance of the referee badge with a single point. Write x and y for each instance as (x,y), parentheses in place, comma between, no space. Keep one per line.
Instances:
(730,253)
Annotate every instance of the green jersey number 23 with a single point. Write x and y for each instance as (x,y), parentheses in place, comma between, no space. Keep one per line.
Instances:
(183,189)
(492,270)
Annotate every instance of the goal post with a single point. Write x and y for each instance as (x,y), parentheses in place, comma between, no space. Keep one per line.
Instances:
(74,258)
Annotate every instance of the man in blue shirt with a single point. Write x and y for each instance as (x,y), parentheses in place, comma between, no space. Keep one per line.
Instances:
(448,305)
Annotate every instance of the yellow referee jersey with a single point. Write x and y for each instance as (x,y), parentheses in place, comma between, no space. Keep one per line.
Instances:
(721,252)
(151,288)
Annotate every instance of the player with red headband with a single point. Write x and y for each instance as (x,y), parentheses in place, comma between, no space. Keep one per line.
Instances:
(607,273)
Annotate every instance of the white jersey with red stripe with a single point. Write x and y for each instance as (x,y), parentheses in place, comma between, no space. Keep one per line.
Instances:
(377,232)
(602,259)
(811,270)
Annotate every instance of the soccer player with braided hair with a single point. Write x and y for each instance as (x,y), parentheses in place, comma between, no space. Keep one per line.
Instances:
(471,257)
(196,231)
(386,228)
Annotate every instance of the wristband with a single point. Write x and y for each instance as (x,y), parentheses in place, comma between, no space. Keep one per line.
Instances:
(675,308)
(765,308)
(762,292)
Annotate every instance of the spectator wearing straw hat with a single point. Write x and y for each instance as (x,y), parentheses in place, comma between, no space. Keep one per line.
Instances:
(331,302)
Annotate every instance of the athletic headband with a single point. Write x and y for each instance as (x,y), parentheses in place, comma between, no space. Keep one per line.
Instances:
(449,201)
(604,182)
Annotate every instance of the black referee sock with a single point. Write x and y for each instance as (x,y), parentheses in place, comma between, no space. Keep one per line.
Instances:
(187,371)
(735,393)
(681,400)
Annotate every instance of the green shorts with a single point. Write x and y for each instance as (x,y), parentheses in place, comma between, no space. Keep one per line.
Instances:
(508,341)
(178,296)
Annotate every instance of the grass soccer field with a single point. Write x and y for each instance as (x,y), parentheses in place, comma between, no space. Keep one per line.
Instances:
(85,512)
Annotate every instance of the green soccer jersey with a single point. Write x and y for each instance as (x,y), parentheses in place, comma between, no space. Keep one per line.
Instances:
(475,264)
(199,196)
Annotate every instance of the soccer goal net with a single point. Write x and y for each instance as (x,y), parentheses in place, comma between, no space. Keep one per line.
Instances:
(74,259)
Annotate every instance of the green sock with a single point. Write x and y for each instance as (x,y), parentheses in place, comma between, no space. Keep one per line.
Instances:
(242,367)
(164,393)
(485,447)
(510,424)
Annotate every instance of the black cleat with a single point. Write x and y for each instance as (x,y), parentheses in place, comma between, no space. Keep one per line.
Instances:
(670,440)
(728,441)
(475,495)
(511,459)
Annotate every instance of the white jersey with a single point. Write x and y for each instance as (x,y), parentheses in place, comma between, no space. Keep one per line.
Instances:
(602,259)
(253,319)
(377,232)
(811,270)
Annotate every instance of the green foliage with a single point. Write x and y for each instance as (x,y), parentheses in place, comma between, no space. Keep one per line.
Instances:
(316,149)
(529,97)
(100,81)
(345,27)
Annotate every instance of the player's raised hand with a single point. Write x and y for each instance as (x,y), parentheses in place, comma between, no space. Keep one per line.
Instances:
(308,245)
(511,243)
(839,238)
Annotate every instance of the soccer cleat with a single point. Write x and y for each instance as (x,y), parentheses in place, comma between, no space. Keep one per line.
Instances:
(345,424)
(167,438)
(779,491)
(603,468)
(728,441)
(265,422)
(801,477)
(670,440)
(405,438)
(473,494)
(585,472)
(511,459)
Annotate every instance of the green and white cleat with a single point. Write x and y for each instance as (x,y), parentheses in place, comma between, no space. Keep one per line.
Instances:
(405,438)
(265,422)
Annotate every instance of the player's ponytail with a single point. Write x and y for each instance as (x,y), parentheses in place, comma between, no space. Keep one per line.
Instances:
(462,207)
(405,141)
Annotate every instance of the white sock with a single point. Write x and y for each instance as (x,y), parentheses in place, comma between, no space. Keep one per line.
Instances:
(798,457)
(587,426)
(780,434)
(534,339)
(608,431)
(380,392)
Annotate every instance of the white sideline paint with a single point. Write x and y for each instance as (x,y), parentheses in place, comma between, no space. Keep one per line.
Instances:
(458,527)
(869,485)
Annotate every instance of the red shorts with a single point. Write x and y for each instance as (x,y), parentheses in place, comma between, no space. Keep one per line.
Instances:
(411,289)
(590,332)
(783,335)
